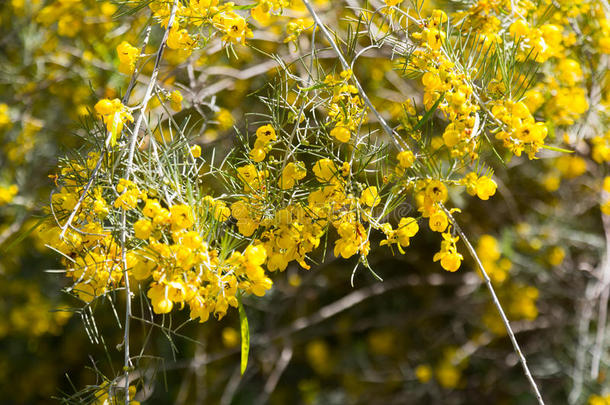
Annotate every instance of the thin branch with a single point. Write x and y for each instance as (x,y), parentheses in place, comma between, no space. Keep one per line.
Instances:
(602,317)
(128,170)
(98,164)
(496,302)
(400,144)
(276,374)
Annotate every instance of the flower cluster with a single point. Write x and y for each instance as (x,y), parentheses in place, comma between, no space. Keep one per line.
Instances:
(115,115)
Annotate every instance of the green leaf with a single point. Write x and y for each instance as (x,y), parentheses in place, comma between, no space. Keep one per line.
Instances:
(245,7)
(429,113)
(245,336)
(314,87)
(557,149)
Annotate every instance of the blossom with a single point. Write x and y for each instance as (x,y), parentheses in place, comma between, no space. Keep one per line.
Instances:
(142,228)
(325,170)
(370,197)
(405,159)
(340,133)
(195,151)
(438,221)
(448,255)
(485,187)
(291,174)
(128,55)
(181,216)
(175,100)
(115,115)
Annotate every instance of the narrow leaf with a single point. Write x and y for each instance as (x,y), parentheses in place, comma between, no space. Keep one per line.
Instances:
(429,113)
(557,149)
(245,337)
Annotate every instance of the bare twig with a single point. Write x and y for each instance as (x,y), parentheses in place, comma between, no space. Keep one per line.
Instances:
(498,306)
(602,316)
(280,366)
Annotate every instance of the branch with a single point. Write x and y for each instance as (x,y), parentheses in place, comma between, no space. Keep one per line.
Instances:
(604,285)
(400,144)
(128,170)
(496,302)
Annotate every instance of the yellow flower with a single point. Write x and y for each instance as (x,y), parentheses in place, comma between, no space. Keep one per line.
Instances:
(405,159)
(5,118)
(142,269)
(234,26)
(291,174)
(569,72)
(436,191)
(261,13)
(449,257)
(486,187)
(175,100)
(196,151)
(519,29)
(370,197)
(142,228)
(151,208)
(128,55)
(571,166)
(230,337)
(423,373)
(488,249)
(407,228)
(181,216)
(556,255)
(258,154)
(128,195)
(114,114)
(225,119)
(249,176)
(100,208)
(342,134)
(158,295)
(451,261)
(255,255)
(353,239)
(604,44)
(266,134)
(179,39)
(448,375)
(324,170)
(438,221)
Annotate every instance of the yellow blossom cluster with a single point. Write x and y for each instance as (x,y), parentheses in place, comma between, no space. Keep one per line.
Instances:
(346,110)
(115,115)
(172,260)
(519,131)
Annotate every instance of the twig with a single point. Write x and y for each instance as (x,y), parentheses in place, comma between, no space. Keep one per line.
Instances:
(352,299)
(128,170)
(584,320)
(602,316)
(98,164)
(276,374)
(231,387)
(496,302)
(400,144)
